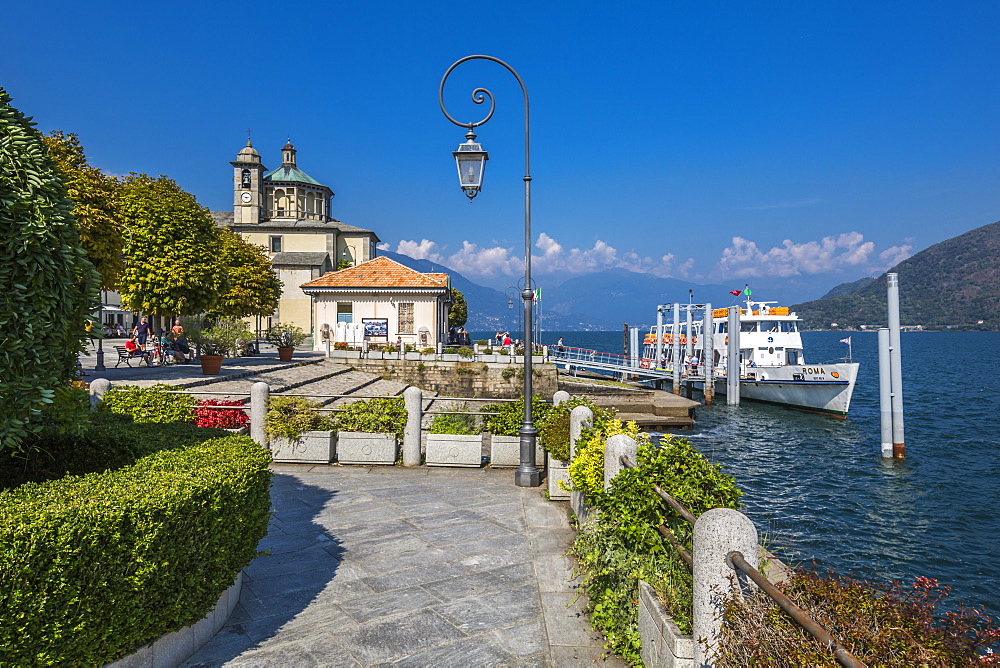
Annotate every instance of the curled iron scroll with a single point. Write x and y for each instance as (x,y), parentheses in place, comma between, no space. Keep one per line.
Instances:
(479,95)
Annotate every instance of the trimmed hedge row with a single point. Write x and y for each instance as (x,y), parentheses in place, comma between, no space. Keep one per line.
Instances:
(95,566)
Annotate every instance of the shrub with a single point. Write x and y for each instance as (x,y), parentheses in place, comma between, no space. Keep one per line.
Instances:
(289,417)
(622,546)
(340,345)
(380,416)
(427,351)
(225,337)
(48,288)
(466,351)
(883,624)
(511,416)
(554,429)
(150,404)
(220,418)
(110,441)
(93,567)
(454,424)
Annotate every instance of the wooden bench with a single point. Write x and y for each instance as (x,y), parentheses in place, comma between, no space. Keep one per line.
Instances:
(125,356)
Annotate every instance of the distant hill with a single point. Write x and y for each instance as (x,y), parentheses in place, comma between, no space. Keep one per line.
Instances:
(853,286)
(951,285)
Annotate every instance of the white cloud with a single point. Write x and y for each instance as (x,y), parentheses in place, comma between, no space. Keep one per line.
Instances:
(385,245)
(744,258)
(552,257)
(894,255)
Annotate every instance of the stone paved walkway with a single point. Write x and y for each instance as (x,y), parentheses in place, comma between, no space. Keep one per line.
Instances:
(378,566)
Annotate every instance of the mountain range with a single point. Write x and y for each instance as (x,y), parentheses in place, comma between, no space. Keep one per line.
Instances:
(954,284)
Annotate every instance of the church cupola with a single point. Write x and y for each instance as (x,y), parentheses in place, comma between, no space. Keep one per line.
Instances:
(288,155)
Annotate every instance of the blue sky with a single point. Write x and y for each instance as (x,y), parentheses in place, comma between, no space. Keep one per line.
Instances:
(791,145)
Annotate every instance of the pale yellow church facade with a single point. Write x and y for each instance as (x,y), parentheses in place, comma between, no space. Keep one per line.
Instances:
(289,213)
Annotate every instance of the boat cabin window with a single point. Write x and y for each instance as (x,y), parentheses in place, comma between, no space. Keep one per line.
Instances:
(793,356)
(789,326)
(768,325)
(723,327)
(748,326)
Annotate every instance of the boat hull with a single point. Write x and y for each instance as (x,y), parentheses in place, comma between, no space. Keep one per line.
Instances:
(823,389)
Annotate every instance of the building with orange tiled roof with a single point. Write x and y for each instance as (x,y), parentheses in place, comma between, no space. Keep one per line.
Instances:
(380,301)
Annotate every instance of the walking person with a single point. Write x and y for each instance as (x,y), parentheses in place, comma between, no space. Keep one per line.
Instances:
(142,331)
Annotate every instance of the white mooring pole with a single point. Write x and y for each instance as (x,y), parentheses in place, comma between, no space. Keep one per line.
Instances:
(895,368)
(733,353)
(676,348)
(885,391)
(708,354)
(659,336)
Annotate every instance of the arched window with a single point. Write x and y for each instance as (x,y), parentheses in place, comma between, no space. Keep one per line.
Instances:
(281,202)
(245,179)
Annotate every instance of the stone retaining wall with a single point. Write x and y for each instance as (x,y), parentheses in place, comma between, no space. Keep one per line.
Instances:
(463,379)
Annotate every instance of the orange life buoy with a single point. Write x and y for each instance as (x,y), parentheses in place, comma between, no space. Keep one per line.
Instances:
(644,364)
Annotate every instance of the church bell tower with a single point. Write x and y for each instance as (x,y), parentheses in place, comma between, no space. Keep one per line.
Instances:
(248,189)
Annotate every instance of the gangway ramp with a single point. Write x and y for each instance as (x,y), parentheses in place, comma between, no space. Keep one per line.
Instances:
(642,368)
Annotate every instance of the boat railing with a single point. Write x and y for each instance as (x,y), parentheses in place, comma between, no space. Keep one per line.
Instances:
(737,562)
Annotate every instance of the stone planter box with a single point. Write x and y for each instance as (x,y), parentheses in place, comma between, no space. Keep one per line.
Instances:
(490,359)
(505,452)
(449,357)
(412,356)
(345,354)
(557,470)
(312,447)
(359,447)
(584,513)
(428,357)
(662,642)
(375,354)
(455,450)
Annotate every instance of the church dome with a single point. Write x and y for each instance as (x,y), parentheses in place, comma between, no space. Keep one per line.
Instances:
(248,153)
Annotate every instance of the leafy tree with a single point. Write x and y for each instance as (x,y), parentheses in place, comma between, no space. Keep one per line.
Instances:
(174,265)
(47,285)
(459,311)
(95,205)
(254,288)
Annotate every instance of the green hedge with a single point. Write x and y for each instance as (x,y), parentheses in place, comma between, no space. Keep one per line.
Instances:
(93,567)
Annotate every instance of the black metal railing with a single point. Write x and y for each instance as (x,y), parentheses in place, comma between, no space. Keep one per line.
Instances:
(739,563)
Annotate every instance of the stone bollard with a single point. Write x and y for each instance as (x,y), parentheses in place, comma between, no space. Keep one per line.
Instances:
(559,397)
(413,397)
(580,418)
(328,347)
(260,394)
(717,533)
(615,447)
(98,387)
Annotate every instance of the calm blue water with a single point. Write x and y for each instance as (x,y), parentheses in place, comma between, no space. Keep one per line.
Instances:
(819,489)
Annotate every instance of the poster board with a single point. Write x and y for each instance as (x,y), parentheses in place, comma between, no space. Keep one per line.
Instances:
(376,327)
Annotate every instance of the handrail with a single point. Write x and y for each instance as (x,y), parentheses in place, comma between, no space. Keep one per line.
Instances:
(737,562)
(799,615)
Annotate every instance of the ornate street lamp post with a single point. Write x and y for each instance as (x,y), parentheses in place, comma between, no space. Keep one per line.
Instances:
(471,161)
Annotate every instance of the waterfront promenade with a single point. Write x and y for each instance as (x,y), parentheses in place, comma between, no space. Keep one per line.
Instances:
(386,565)
(376,566)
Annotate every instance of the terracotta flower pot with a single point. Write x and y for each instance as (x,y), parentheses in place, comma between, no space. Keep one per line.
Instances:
(211,365)
(285,354)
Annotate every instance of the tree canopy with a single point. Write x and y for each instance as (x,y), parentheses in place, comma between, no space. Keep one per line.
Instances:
(47,285)
(95,205)
(172,246)
(459,311)
(254,288)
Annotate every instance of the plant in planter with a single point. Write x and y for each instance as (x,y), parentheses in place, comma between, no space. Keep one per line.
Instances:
(369,431)
(454,440)
(466,351)
(505,446)
(298,431)
(427,351)
(221,339)
(285,337)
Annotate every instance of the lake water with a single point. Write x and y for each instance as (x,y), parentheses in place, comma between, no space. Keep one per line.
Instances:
(819,489)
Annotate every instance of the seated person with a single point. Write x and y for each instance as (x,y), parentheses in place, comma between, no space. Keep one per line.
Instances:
(182,347)
(133,349)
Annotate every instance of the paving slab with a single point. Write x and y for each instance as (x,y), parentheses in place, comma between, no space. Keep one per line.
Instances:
(393,566)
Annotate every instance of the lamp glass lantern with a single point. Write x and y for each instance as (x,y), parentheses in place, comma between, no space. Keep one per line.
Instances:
(470,158)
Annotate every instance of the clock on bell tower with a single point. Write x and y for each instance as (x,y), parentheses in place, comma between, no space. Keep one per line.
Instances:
(247,186)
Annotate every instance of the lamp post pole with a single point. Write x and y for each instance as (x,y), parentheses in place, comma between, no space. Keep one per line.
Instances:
(471,161)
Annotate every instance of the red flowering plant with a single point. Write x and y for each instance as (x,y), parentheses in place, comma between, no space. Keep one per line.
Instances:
(220,418)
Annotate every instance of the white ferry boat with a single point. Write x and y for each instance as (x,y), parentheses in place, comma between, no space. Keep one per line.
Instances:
(772,366)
